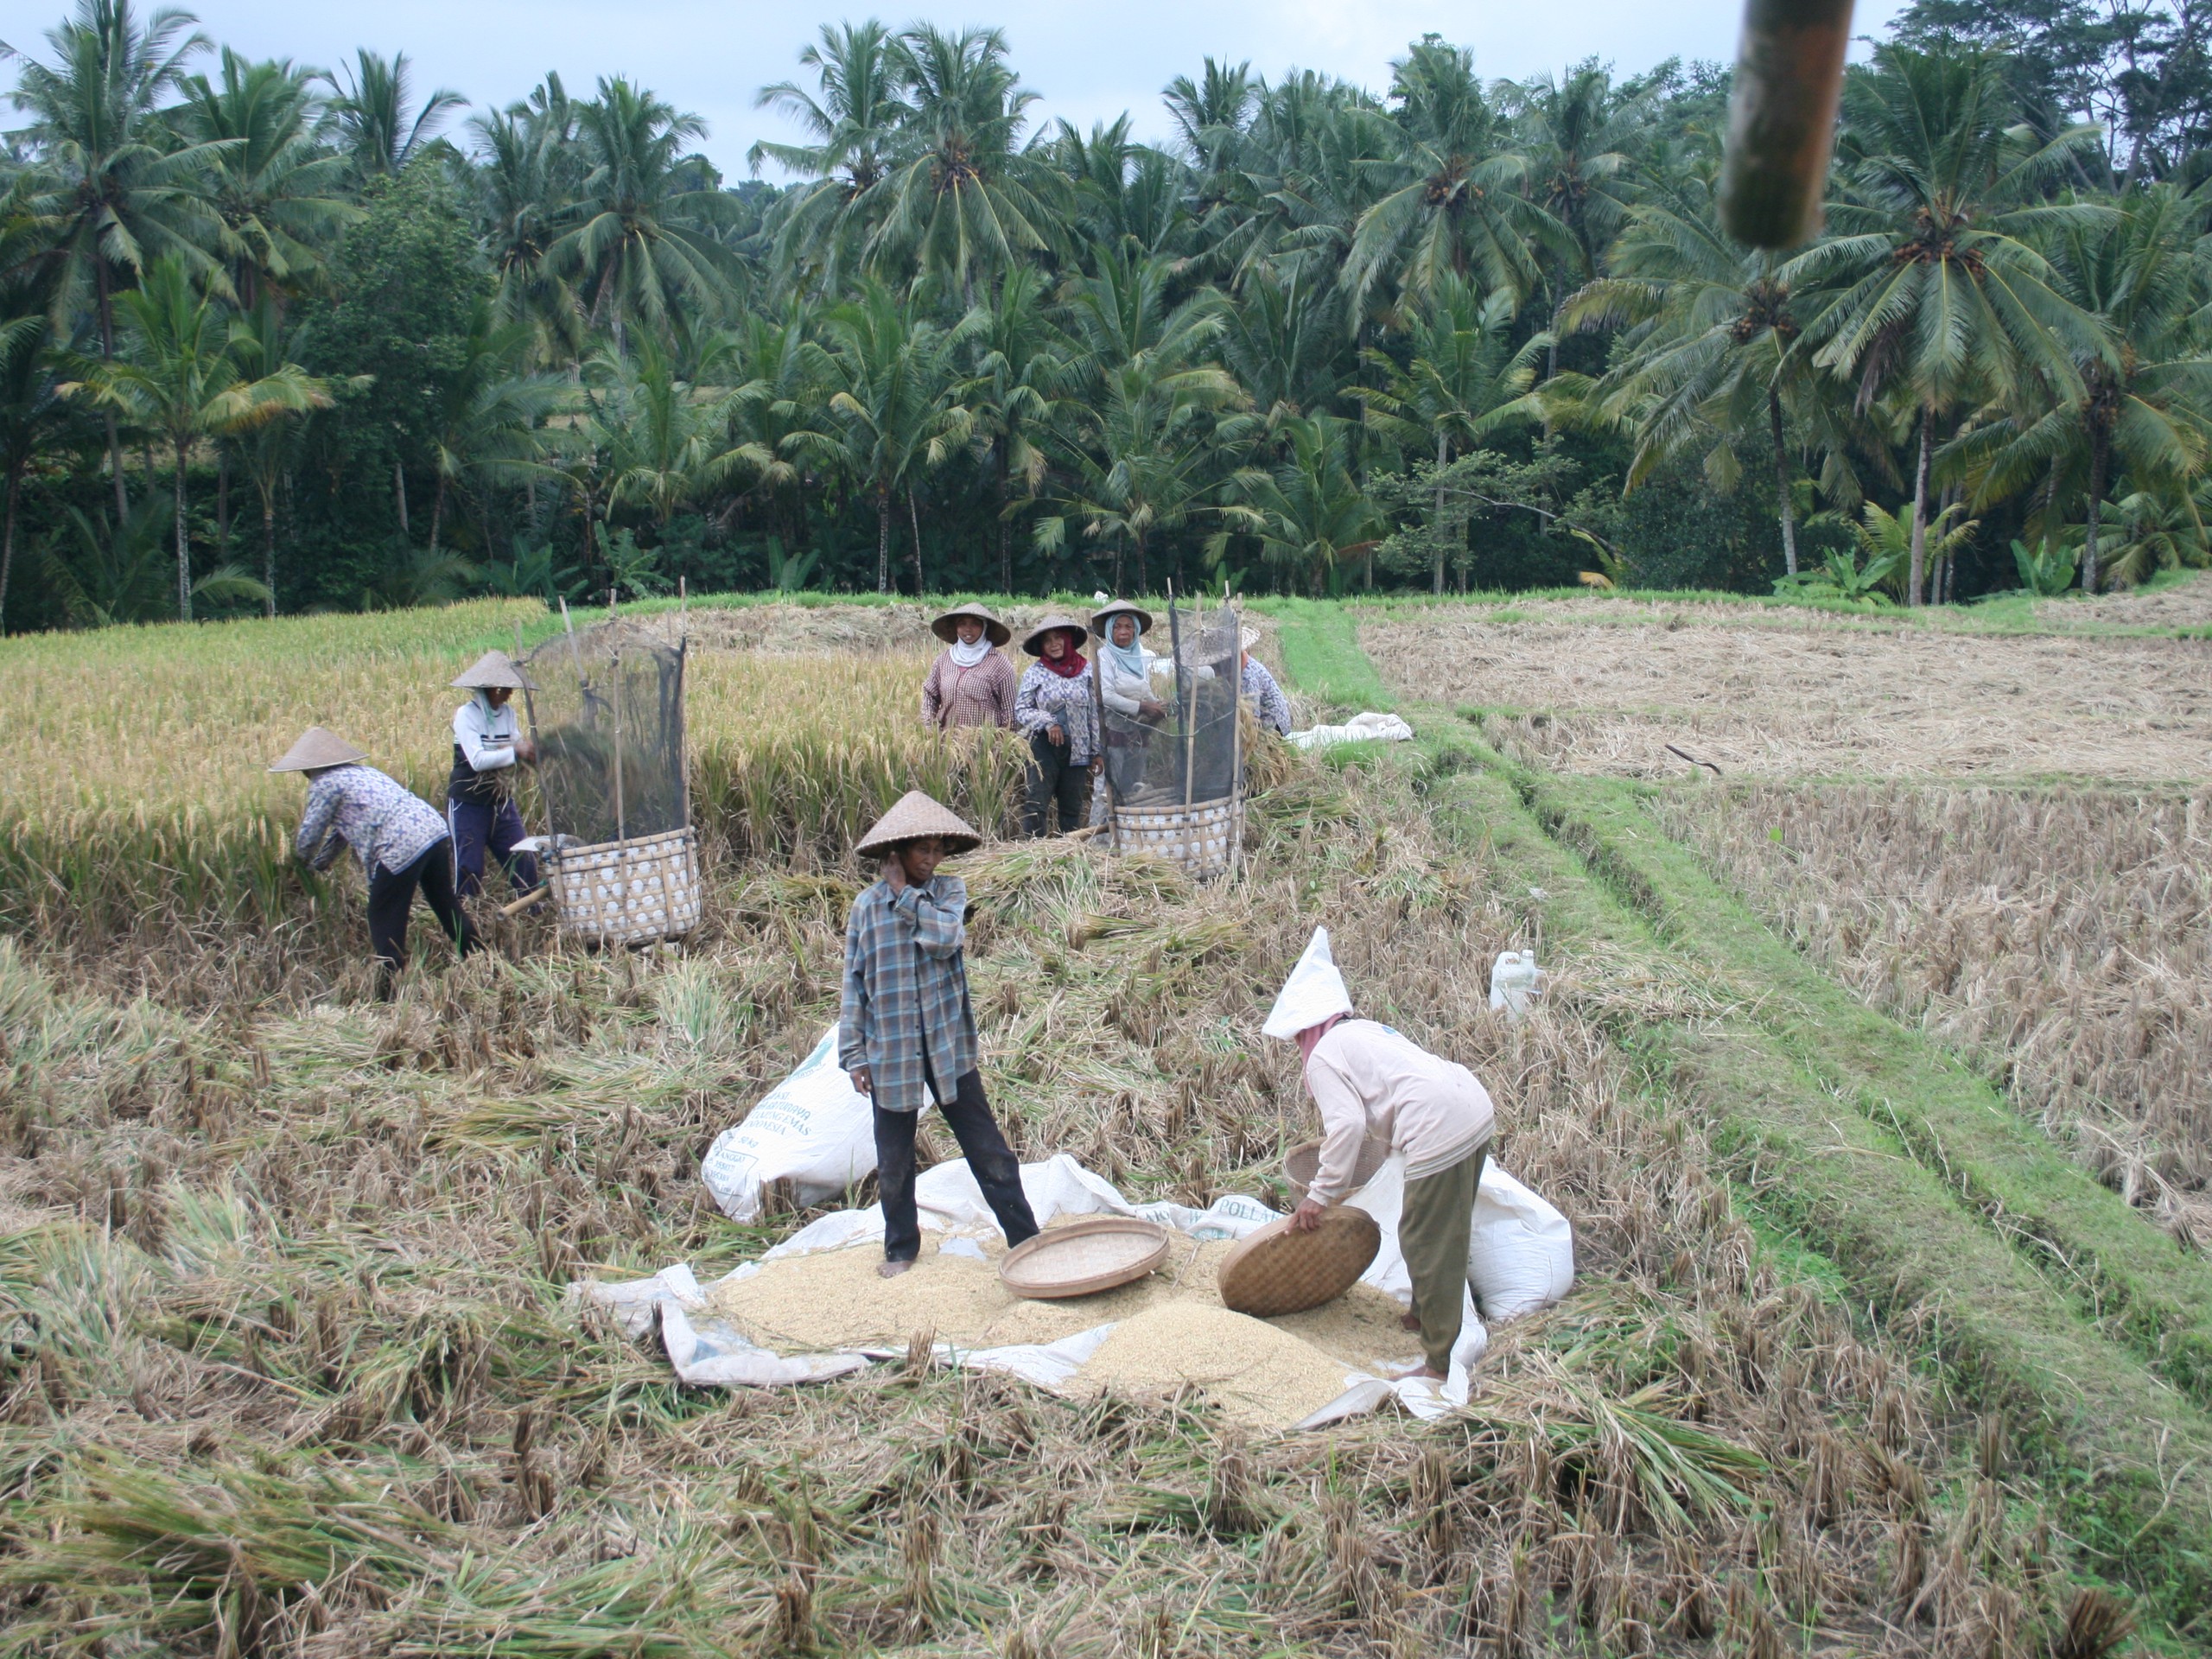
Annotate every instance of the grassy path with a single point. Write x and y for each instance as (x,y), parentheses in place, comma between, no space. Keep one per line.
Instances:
(1920,1194)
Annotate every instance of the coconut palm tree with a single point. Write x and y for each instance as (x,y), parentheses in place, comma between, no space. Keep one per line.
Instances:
(278,193)
(964,198)
(33,413)
(1706,354)
(1309,512)
(1451,195)
(371,110)
(1464,381)
(487,425)
(2144,382)
(642,245)
(853,123)
(1936,288)
(264,342)
(893,412)
(664,441)
(1148,401)
(110,185)
(178,376)
(1017,389)
(528,171)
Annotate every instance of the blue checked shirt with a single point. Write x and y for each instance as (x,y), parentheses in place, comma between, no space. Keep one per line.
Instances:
(906,991)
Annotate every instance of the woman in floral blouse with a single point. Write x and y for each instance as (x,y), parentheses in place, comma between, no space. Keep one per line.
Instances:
(1053,706)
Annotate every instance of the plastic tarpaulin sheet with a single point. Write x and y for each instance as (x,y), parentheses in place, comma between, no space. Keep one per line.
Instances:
(708,1352)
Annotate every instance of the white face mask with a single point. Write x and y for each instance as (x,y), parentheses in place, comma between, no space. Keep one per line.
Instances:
(968,656)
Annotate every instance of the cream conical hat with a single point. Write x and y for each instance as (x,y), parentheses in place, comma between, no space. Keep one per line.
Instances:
(914,816)
(947,627)
(1057,622)
(494,668)
(318,747)
(1102,620)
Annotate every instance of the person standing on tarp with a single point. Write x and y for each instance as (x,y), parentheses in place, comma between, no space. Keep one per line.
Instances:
(399,838)
(488,743)
(1369,1081)
(905,1023)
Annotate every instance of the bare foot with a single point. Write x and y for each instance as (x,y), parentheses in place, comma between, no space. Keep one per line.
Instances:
(1409,1321)
(891,1269)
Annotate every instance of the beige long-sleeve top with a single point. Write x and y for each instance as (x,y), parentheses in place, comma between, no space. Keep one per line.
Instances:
(1367,1080)
(981,695)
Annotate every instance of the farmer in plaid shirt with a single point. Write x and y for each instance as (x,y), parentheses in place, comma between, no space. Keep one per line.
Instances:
(904,1022)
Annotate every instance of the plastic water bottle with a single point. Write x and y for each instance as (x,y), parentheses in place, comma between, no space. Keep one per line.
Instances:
(1514,983)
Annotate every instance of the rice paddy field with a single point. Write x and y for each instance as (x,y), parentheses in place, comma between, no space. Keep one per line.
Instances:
(1872,1350)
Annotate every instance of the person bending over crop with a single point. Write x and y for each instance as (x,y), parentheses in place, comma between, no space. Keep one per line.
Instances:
(399,838)
(488,742)
(1257,684)
(1367,1080)
(904,1021)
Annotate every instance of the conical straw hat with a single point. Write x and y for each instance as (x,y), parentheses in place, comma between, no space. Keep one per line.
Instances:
(493,669)
(946,627)
(914,816)
(1102,620)
(1058,621)
(318,747)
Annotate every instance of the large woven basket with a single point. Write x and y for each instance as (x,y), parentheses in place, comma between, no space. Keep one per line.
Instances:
(1201,837)
(629,892)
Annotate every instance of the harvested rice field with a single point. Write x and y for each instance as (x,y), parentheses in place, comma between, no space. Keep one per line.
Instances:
(1819,698)
(2063,939)
(291,1367)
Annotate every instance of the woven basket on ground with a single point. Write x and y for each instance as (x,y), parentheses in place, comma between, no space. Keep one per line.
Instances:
(630,892)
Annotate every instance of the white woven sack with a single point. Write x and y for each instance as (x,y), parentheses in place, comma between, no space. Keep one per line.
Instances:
(813,1129)
(1520,1251)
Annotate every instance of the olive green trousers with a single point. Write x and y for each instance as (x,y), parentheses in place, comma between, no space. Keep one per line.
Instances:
(1433,1230)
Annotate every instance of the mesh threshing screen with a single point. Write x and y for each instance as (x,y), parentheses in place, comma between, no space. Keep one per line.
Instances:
(607,702)
(1187,753)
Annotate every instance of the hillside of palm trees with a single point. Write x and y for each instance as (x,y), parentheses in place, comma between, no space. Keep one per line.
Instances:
(274,336)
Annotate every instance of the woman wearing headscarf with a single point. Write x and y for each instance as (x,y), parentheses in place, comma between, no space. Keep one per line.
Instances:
(488,743)
(1053,707)
(1125,688)
(398,836)
(970,683)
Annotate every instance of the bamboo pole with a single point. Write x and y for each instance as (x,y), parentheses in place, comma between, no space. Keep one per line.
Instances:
(614,691)
(1782,119)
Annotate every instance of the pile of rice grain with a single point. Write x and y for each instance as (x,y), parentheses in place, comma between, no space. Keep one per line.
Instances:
(1258,1374)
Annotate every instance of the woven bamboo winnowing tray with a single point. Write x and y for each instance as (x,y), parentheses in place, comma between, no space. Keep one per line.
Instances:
(1301,1164)
(1098,1253)
(628,892)
(1198,837)
(1277,1271)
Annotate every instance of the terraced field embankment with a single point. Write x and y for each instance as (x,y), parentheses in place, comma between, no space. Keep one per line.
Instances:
(1922,1194)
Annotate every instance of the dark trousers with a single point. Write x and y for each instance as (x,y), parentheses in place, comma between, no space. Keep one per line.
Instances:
(997,1170)
(1053,778)
(392,895)
(476,827)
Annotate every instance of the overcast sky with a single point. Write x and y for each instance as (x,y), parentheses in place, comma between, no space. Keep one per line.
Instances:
(1089,61)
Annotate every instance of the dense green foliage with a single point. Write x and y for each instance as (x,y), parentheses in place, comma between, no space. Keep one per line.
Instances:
(1451,333)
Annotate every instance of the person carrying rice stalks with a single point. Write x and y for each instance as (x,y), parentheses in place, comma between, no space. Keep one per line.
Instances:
(905,1023)
(1056,711)
(488,743)
(400,839)
(970,683)
(1369,1080)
